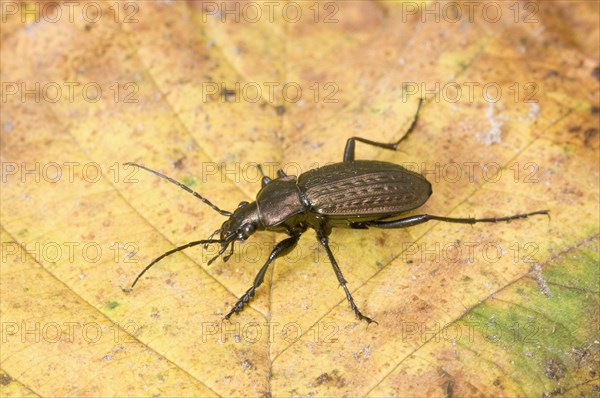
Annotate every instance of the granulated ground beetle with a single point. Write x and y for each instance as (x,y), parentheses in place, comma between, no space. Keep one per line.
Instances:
(351,194)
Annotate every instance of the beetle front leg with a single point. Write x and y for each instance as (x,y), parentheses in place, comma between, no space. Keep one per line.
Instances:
(423,218)
(351,143)
(282,248)
(322,237)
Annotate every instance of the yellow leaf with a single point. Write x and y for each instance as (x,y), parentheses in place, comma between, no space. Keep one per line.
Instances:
(202,91)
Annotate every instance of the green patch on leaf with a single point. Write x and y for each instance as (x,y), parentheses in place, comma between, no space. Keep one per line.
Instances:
(190,181)
(538,343)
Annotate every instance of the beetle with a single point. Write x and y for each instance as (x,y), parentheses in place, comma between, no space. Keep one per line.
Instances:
(357,194)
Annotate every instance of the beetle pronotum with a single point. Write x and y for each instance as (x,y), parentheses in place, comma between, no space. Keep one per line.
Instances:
(351,194)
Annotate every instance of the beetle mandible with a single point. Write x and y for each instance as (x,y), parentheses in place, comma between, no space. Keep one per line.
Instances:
(356,194)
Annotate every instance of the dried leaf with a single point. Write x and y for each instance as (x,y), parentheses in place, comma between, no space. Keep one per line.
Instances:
(510,125)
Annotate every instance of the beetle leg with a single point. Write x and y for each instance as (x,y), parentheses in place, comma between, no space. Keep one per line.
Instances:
(282,248)
(422,218)
(281,173)
(350,144)
(260,170)
(265,180)
(338,272)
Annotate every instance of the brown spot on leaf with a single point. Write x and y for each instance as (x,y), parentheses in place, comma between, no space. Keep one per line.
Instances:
(323,378)
(280,109)
(590,133)
(380,240)
(581,355)
(587,134)
(419,304)
(447,387)
(596,73)
(554,369)
(228,95)
(333,379)
(179,163)
(5,379)
(247,364)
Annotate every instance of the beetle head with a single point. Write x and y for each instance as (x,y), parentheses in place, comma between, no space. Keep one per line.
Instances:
(243,222)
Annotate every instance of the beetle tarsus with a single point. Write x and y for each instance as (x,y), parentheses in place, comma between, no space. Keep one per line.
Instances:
(357,311)
(239,306)
(366,318)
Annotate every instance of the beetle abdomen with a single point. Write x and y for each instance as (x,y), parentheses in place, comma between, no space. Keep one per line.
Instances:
(363,187)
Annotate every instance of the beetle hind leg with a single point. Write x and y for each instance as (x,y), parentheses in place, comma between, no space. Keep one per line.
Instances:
(322,237)
(351,143)
(423,218)
(265,179)
(282,248)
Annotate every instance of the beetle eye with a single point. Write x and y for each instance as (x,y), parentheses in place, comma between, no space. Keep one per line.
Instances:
(248,230)
(242,204)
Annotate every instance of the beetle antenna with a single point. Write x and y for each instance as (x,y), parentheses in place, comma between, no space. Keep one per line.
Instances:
(191,244)
(185,187)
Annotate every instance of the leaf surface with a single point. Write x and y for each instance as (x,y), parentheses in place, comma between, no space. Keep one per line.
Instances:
(492,309)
